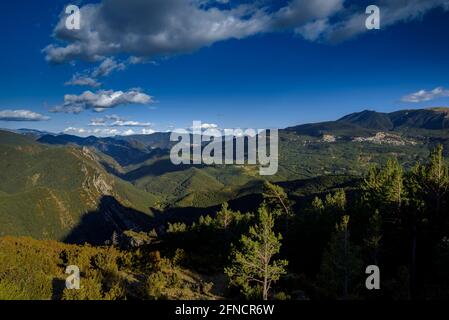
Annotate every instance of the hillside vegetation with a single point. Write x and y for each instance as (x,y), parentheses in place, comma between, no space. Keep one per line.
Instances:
(358,191)
(47,191)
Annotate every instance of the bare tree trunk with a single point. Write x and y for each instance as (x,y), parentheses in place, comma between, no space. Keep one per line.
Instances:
(265,278)
(266,262)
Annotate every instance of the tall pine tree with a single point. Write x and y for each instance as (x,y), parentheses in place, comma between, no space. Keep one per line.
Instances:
(253,266)
(341,265)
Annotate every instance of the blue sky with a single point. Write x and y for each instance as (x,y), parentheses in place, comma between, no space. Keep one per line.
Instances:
(260,73)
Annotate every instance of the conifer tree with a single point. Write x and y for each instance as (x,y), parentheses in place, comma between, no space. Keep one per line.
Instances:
(225,216)
(428,186)
(435,179)
(276,199)
(384,189)
(374,236)
(341,264)
(317,205)
(336,202)
(253,266)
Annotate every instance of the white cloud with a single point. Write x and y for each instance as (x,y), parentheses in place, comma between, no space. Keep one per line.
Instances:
(148,131)
(205,126)
(21,115)
(99,122)
(101,100)
(116,121)
(73,130)
(103,132)
(209,126)
(83,80)
(122,123)
(392,11)
(313,30)
(299,12)
(128,132)
(108,66)
(142,29)
(106,132)
(423,95)
(152,28)
(113,117)
(140,60)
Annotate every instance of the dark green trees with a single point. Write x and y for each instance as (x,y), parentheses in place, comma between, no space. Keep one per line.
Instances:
(253,266)
(408,212)
(341,265)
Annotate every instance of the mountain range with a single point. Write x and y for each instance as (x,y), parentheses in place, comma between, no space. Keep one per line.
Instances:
(74,189)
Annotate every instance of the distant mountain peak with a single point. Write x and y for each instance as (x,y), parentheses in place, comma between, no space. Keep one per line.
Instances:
(440,109)
(368,122)
(369,119)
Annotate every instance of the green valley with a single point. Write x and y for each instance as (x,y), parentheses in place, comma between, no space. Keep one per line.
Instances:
(143,228)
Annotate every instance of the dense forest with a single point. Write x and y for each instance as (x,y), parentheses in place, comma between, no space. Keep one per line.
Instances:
(395,218)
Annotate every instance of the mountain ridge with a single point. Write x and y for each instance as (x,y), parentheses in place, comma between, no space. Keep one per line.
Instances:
(368,121)
(110,178)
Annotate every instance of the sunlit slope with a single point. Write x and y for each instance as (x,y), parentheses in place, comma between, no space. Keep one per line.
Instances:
(46,191)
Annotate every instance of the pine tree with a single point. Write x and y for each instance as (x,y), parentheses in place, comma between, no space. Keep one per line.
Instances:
(374,236)
(428,186)
(341,264)
(317,205)
(336,202)
(436,178)
(276,199)
(225,216)
(394,187)
(384,189)
(253,267)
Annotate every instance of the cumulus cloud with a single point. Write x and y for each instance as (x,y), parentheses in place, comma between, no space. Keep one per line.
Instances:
(21,115)
(151,28)
(143,29)
(101,100)
(166,27)
(423,95)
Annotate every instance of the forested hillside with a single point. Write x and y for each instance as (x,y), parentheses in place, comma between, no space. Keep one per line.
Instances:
(368,189)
